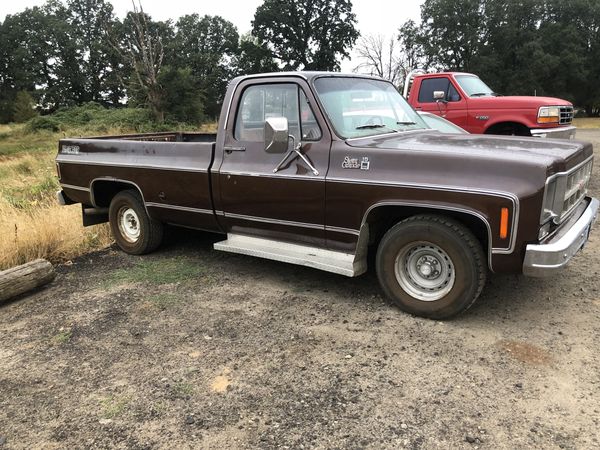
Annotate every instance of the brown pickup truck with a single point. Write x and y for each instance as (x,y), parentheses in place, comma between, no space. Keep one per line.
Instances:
(320,169)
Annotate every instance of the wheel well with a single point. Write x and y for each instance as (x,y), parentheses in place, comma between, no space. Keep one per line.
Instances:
(381,219)
(509,128)
(103,191)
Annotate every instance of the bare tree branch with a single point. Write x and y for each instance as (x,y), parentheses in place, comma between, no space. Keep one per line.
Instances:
(144,52)
(379,57)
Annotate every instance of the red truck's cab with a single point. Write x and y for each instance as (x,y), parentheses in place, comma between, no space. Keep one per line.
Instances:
(465,100)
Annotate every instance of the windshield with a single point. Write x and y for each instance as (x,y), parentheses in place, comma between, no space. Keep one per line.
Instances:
(473,86)
(359,107)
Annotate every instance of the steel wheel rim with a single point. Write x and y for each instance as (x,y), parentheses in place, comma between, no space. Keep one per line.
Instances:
(129,224)
(425,271)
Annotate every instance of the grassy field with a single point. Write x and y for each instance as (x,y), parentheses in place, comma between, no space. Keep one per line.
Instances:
(32,224)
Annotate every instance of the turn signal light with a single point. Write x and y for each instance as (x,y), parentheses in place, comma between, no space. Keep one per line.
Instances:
(503,223)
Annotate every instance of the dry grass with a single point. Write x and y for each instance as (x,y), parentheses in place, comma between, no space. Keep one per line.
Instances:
(47,231)
(32,224)
(209,127)
(587,122)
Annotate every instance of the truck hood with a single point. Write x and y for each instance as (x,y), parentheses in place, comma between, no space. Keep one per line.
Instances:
(553,154)
(512,102)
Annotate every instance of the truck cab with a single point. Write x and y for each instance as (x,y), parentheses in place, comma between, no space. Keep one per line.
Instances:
(465,100)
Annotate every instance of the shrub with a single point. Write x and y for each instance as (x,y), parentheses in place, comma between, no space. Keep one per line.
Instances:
(43,123)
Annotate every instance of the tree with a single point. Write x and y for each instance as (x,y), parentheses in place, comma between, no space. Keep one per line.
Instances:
(182,98)
(379,56)
(252,57)
(207,45)
(98,62)
(23,107)
(306,34)
(139,42)
(26,56)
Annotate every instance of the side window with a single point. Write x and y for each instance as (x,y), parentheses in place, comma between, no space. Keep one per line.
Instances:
(310,127)
(263,101)
(429,85)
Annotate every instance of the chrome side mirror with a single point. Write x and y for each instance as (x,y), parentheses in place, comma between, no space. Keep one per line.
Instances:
(276,135)
(439,96)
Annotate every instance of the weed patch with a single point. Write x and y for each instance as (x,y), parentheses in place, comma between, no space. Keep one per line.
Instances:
(182,389)
(114,406)
(159,272)
(62,337)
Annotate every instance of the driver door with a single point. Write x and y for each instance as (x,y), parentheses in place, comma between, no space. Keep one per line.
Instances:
(452,107)
(257,199)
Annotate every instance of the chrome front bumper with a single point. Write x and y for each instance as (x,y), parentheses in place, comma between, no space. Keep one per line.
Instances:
(555,133)
(548,258)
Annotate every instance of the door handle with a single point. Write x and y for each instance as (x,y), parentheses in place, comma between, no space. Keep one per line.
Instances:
(228,149)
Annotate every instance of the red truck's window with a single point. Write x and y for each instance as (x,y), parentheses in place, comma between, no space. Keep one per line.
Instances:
(263,101)
(428,86)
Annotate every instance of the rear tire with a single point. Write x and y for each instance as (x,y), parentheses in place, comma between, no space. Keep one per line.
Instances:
(134,231)
(431,266)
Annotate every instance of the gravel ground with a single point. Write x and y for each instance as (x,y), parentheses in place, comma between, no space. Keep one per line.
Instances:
(189,347)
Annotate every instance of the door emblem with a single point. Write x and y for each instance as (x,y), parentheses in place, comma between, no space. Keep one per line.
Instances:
(355,163)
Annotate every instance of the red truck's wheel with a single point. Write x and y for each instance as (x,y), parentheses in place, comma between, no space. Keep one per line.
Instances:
(134,231)
(431,266)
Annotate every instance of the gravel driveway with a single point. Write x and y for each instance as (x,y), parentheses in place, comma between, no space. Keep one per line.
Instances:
(189,347)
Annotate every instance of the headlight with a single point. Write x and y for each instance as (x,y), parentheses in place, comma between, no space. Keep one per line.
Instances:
(548,114)
(550,209)
(564,191)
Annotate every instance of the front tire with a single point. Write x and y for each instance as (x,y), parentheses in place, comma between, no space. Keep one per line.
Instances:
(431,266)
(134,231)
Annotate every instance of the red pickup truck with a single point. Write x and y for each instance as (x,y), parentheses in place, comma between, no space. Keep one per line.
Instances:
(465,100)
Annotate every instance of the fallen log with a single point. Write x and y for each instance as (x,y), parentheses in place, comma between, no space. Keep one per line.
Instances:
(26,277)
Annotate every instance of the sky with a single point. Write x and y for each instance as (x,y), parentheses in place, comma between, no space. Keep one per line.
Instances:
(382,17)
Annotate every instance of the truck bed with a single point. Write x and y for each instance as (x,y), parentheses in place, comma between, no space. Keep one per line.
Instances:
(170,169)
(166,136)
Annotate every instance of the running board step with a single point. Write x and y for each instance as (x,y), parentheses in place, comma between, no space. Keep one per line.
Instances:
(302,255)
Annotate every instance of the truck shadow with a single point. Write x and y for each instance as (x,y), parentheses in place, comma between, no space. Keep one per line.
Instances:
(504,296)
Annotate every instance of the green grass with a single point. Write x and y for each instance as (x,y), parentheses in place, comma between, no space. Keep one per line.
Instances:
(28,196)
(18,141)
(159,272)
(182,389)
(62,337)
(114,406)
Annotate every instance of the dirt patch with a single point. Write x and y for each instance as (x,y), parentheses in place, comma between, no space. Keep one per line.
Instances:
(526,352)
(221,382)
(192,348)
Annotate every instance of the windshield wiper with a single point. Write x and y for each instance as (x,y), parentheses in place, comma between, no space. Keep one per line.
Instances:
(406,123)
(372,125)
(481,94)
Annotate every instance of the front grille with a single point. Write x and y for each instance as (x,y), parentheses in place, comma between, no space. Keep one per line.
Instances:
(577,184)
(566,115)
